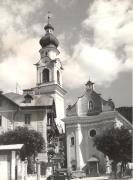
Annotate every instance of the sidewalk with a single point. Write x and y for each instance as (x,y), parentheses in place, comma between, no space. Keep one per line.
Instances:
(93,178)
(102,178)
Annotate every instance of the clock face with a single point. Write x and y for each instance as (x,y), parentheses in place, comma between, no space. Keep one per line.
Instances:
(52,55)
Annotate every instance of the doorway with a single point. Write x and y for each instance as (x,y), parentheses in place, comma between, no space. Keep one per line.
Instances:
(93,166)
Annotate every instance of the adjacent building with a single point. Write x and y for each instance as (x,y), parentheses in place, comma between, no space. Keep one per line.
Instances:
(40,107)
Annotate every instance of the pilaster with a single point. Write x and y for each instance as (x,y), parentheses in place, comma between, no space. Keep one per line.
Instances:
(79,157)
(68,153)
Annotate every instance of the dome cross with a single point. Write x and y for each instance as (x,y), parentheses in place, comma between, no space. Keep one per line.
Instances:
(49,16)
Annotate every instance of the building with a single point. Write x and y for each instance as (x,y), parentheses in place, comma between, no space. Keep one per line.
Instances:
(89,116)
(41,107)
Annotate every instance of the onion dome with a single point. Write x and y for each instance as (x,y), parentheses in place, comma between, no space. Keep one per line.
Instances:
(49,26)
(49,39)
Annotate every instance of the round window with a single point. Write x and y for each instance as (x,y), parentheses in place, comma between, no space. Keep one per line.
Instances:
(92,133)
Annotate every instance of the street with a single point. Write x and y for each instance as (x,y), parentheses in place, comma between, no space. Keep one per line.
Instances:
(102,178)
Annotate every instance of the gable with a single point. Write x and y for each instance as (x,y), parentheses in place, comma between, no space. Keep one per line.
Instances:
(6,104)
(89,104)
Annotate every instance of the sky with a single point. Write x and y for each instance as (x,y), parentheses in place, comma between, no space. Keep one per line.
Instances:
(96,42)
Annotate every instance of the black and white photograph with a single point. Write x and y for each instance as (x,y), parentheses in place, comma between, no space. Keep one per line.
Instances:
(66,89)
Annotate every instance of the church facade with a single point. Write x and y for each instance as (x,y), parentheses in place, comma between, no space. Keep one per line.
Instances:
(89,116)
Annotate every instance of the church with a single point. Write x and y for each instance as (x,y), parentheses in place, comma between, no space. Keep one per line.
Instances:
(89,116)
(42,108)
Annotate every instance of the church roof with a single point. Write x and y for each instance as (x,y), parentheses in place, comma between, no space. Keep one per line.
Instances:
(37,100)
(126,112)
(106,116)
(48,26)
(93,99)
(49,39)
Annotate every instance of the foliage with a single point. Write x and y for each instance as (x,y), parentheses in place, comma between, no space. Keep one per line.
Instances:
(116,143)
(32,140)
(51,150)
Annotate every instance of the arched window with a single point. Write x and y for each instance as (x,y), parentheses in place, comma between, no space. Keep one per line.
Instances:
(45,76)
(58,77)
(90,105)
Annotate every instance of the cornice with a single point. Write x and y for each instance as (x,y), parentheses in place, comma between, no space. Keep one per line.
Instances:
(90,119)
(54,88)
(89,124)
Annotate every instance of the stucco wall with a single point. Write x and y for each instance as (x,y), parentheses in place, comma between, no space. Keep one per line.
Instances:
(83,104)
(7,111)
(60,110)
(6,154)
(85,149)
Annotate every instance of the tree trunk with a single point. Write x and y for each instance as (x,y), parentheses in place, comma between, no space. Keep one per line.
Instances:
(114,169)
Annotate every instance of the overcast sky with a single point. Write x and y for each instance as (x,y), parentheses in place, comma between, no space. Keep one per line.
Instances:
(96,41)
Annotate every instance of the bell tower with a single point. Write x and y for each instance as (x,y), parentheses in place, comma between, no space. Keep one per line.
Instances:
(49,71)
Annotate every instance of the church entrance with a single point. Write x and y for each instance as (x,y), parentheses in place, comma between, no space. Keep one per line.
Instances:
(4,167)
(93,166)
(93,169)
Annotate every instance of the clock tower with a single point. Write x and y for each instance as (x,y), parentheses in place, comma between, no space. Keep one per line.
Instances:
(49,72)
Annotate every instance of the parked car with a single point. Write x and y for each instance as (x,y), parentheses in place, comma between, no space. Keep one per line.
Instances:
(78,174)
(59,174)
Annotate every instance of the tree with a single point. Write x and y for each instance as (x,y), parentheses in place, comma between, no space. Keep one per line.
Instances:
(32,140)
(116,143)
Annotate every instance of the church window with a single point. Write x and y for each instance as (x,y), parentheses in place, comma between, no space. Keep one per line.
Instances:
(0,120)
(45,75)
(58,77)
(27,119)
(92,133)
(90,104)
(72,141)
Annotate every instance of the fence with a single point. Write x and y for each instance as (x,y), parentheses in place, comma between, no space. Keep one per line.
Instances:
(36,176)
